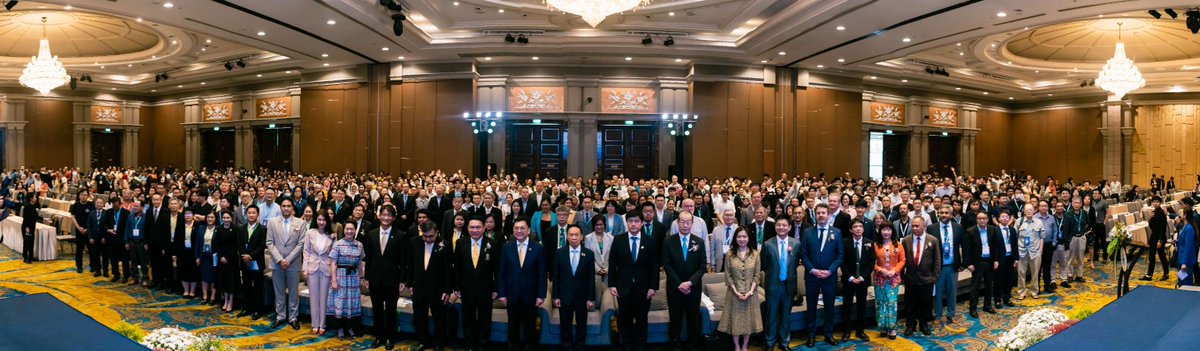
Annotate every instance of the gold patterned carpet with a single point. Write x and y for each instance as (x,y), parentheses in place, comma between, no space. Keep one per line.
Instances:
(111,304)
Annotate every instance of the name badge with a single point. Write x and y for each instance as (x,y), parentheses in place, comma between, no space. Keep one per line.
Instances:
(187,243)
(137,233)
(215,260)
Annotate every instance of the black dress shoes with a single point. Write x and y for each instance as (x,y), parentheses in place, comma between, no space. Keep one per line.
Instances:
(255,316)
(1008,302)
(974,314)
(846,336)
(925,330)
(812,341)
(999,305)
(1066,285)
(829,340)
(390,345)
(908,331)
(1145,278)
(295,325)
(377,344)
(276,324)
(989,310)
(862,336)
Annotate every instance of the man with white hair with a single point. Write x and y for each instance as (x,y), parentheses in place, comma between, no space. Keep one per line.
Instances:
(699,227)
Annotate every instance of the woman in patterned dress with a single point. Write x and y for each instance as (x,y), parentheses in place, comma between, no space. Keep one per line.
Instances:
(345,296)
(742,316)
(889,260)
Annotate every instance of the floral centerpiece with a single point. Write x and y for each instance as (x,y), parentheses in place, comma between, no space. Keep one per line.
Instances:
(170,339)
(1031,328)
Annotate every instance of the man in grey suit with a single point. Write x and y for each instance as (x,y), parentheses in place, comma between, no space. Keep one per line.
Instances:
(285,241)
(779,258)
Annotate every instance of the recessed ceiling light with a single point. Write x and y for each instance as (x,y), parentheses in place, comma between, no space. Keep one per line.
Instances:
(385,48)
(985,93)
(173,42)
(1049,94)
(535,58)
(400,57)
(101,67)
(261,33)
(906,40)
(168,4)
(326,64)
(957,88)
(874,77)
(153,56)
(957,44)
(203,49)
(456,3)
(960,53)
(1026,28)
(1001,14)
(820,66)
(153,90)
(782,53)
(139,19)
(678,60)
(331,22)
(501,10)
(627,58)
(179,86)
(203,83)
(112,89)
(324,55)
(287,72)
(1011,98)
(129,65)
(993,44)
(763,61)
(841,60)
(489,58)
(208,41)
(672,13)
(1101,15)
(260,76)
(68,7)
(841,28)
(904,81)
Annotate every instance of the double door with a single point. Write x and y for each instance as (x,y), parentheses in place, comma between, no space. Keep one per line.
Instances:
(217,149)
(536,150)
(273,148)
(629,150)
(106,149)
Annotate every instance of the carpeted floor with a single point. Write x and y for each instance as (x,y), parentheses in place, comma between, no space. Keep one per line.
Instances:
(110,304)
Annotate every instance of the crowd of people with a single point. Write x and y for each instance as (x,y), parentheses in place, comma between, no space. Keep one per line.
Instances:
(247,238)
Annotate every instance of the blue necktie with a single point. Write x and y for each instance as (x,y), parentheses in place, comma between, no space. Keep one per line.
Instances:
(574,260)
(634,248)
(683,245)
(782,261)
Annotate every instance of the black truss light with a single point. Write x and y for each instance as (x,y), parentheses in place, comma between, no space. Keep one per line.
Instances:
(228,66)
(1193,20)
(670,41)
(522,39)
(241,64)
(647,40)
(1172,13)
(1155,14)
(9,6)
(510,38)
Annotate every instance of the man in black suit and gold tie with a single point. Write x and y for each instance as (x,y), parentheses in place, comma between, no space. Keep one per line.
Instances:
(684,262)
(632,280)
(574,274)
(428,275)
(382,252)
(922,265)
(857,264)
(475,267)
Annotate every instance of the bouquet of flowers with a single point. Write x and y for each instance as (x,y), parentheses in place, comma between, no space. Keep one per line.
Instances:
(1031,328)
(1117,238)
(170,339)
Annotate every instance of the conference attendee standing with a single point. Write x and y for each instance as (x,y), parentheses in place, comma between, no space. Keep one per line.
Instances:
(521,285)
(857,264)
(1187,243)
(981,255)
(684,263)
(889,263)
(1049,244)
(574,291)
(742,315)
(153,229)
(285,242)
(96,242)
(634,265)
(1158,239)
(228,267)
(779,259)
(600,242)
(1029,253)
(427,273)
(115,221)
(384,257)
(950,236)
(1004,275)
(1077,226)
(345,294)
(187,238)
(252,243)
(206,259)
(137,244)
(923,264)
(80,212)
(475,270)
(318,243)
(822,254)
(722,241)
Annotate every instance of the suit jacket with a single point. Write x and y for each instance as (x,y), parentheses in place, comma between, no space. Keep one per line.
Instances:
(586,225)
(574,288)
(341,210)
(1013,250)
(95,225)
(482,212)
(925,271)
(432,280)
(813,256)
(973,245)
(522,284)
(841,221)
(365,226)
(447,221)
(253,243)
(155,227)
(405,208)
(956,241)
(383,266)
(658,231)
(752,230)
(476,282)
(118,219)
(286,242)
(437,208)
(769,262)
(633,277)
(679,269)
(856,263)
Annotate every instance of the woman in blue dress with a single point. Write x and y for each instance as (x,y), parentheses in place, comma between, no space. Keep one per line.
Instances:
(345,296)
(1186,242)
(206,258)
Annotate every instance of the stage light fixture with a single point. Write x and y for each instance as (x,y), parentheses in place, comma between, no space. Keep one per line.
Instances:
(1193,20)
(929,70)
(522,39)
(398,24)
(157,78)
(510,38)
(72,83)
(1155,14)
(9,6)
(165,77)
(1172,13)
(241,64)
(647,40)
(228,66)
(670,41)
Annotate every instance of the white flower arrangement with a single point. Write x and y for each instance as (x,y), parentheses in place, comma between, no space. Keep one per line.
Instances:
(1032,327)
(170,339)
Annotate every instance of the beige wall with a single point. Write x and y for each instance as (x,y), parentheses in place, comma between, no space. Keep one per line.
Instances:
(993,142)
(424,130)
(1165,144)
(1060,143)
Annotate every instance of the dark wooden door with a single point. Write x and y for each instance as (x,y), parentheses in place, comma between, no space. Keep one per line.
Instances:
(895,155)
(106,149)
(273,148)
(536,150)
(218,149)
(943,152)
(628,149)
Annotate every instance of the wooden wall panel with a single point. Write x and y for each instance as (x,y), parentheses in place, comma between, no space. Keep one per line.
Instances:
(709,142)
(738,131)
(426,116)
(992,144)
(453,98)
(146,135)
(333,129)
(49,138)
(1063,143)
(1163,144)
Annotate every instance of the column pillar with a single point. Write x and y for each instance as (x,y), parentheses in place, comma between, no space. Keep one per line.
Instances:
(865,159)
(239,146)
(296,145)
(129,148)
(1110,130)
(575,154)
(1127,131)
(587,143)
(966,153)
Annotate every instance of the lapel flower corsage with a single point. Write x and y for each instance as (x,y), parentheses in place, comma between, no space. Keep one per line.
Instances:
(582,254)
(788,248)
(439,247)
(691,247)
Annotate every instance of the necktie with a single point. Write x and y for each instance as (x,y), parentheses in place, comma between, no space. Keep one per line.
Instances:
(587,217)
(858,248)
(728,235)
(823,239)
(562,236)
(474,254)
(574,260)
(634,247)
(683,245)
(759,234)
(946,237)
(783,268)
(521,254)
(917,249)
(383,238)
(428,252)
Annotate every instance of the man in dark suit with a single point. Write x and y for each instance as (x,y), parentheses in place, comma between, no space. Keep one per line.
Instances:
(521,285)
(475,268)
(96,235)
(406,207)
(1010,256)
(574,274)
(114,222)
(383,254)
(760,227)
(922,265)
(252,244)
(858,263)
(555,237)
(837,218)
(437,207)
(821,253)
(586,214)
(779,258)
(632,280)
(684,261)
(489,209)
(657,231)
(156,215)
(982,252)
(427,273)
(456,207)
(361,223)
(950,236)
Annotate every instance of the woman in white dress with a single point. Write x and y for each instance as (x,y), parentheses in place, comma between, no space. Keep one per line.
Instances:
(317,245)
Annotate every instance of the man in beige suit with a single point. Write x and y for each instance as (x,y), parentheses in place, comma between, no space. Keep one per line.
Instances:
(285,242)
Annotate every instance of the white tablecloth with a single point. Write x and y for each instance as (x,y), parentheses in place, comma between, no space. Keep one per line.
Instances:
(61,205)
(45,243)
(65,221)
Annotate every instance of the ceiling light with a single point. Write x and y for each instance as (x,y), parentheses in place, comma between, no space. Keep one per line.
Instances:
(535,58)
(203,83)
(985,93)
(153,90)
(331,22)
(782,53)
(672,13)
(957,88)
(168,4)
(139,19)
(906,40)
(261,33)
(456,3)
(208,41)
(287,72)
(326,64)
(129,65)
(958,44)
(399,57)
(68,7)
(678,60)
(1049,94)
(820,66)
(874,77)
(595,11)
(841,28)
(324,55)
(1011,98)
(260,76)
(1120,75)
(627,58)
(203,49)
(763,61)
(1001,14)
(501,10)
(489,58)
(904,81)
(179,86)
(960,53)
(385,48)
(841,60)
(112,89)
(398,24)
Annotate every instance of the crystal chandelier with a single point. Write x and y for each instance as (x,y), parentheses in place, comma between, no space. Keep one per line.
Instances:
(44,72)
(1119,75)
(595,11)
